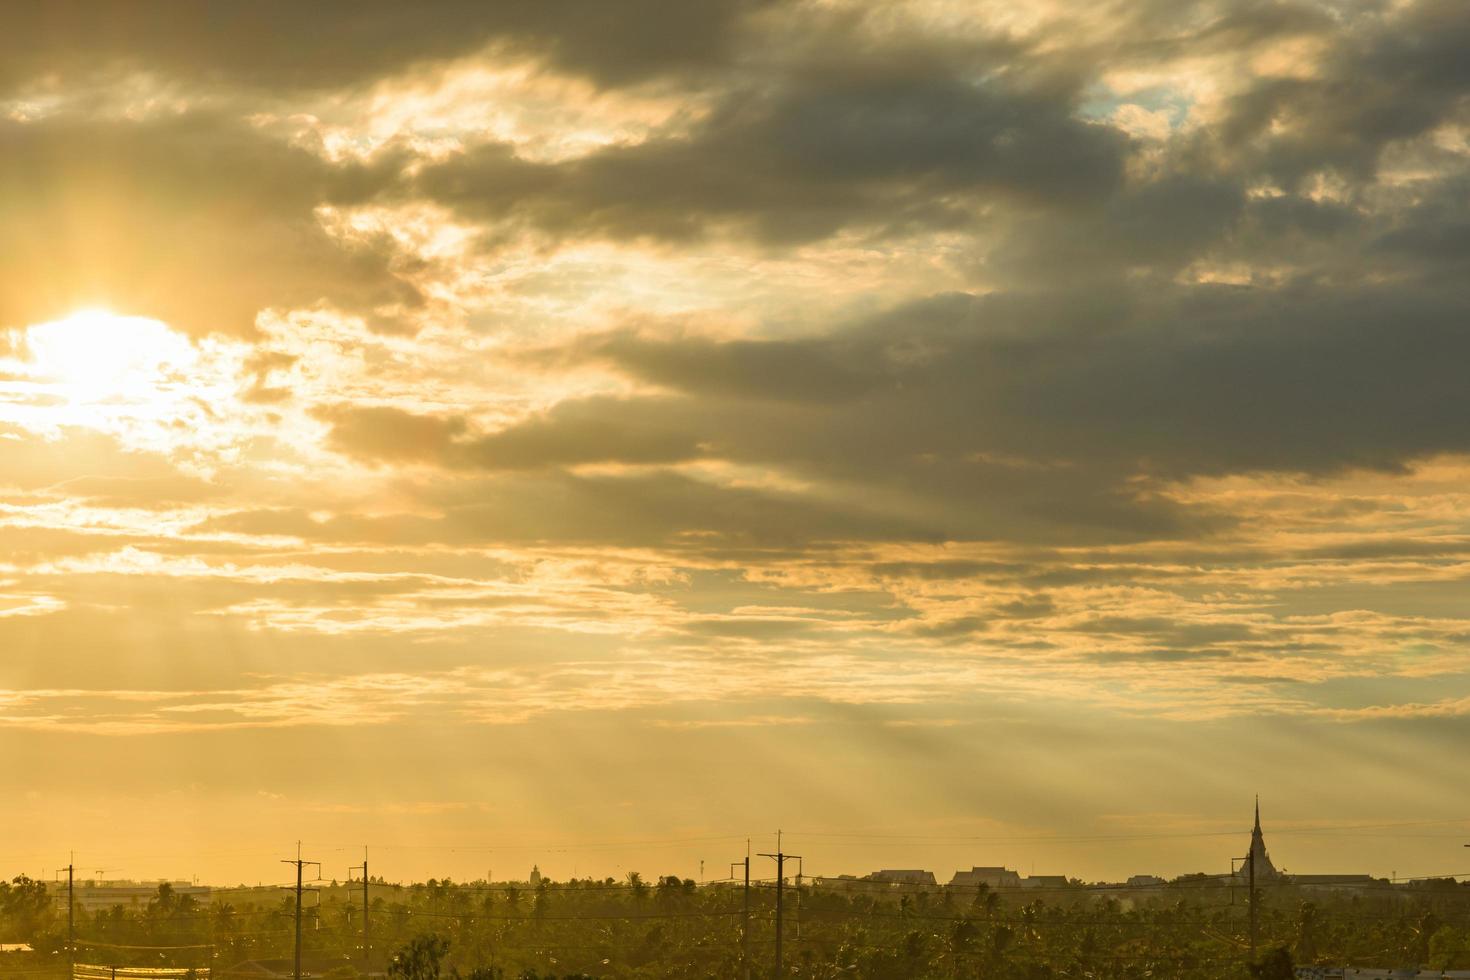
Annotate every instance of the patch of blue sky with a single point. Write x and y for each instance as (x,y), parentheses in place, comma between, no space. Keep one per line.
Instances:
(1100,102)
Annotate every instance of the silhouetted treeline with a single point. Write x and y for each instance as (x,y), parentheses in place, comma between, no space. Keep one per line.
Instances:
(671,928)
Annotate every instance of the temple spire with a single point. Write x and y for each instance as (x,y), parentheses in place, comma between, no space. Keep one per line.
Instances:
(1257,853)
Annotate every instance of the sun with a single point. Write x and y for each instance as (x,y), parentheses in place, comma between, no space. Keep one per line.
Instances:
(95,355)
(133,379)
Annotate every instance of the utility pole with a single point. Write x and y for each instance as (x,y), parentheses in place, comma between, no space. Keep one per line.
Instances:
(71,913)
(1251,884)
(800,873)
(780,887)
(744,913)
(366,934)
(296,972)
(780,857)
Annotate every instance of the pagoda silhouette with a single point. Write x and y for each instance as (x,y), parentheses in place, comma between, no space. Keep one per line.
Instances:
(1257,853)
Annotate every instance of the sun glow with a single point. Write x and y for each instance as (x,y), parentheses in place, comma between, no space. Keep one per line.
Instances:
(97,355)
(131,377)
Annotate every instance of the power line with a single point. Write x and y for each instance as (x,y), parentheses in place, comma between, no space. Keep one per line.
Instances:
(101,945)
(547,846)
(483,917)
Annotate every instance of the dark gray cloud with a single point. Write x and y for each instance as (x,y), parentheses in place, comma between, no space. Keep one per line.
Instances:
(282,45)
(789,370)
(387,434)
(1172,381)
(594,430)
(1034,415)
(1390,74)
(1156,226)
(583,431)
(663,508)
(876,143)
(846,134)
(1428,237)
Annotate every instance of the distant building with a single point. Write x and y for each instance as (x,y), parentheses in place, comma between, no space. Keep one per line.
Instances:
(990,877)
(844,882)
(1335,881)
(99,896)
(1145,881)
(535,878)
(1047,882)
(903,877)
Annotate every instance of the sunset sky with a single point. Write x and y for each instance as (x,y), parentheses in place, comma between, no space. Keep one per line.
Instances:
(951,431)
